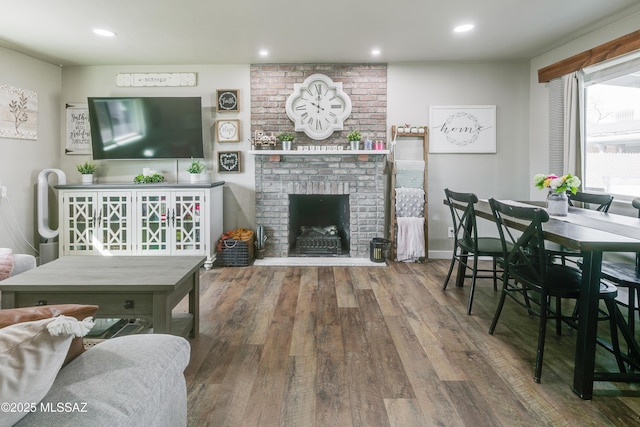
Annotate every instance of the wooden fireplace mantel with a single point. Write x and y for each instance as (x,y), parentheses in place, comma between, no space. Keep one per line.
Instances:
(276,155)
(316,152)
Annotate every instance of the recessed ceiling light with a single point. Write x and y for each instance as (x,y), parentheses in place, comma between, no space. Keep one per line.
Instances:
(375,52)
(104,33)
(463,28)
(264,52)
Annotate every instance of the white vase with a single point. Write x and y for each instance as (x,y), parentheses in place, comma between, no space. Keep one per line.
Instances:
(557,204)
(87,178)
(194,177)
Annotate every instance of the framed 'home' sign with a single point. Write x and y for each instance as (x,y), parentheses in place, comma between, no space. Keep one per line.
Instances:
(462,129)
(228,161)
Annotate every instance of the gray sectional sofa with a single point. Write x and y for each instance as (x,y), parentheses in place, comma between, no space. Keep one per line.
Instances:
(135,380)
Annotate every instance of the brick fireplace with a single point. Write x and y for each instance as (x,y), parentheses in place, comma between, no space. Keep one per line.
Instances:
(361,177)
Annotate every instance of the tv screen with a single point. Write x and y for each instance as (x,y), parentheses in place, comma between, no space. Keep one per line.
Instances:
(146,127)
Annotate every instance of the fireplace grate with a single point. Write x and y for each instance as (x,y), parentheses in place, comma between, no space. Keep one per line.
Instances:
(318,245)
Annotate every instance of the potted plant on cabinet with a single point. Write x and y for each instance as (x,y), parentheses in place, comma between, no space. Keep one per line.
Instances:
(148,179)
(87,169)
(195,169)
(286,138)
(354,137)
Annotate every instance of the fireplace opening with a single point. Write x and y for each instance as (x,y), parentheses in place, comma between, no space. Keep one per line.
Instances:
(319,225)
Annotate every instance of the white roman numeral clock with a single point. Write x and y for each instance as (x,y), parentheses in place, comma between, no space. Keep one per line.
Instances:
(318,106)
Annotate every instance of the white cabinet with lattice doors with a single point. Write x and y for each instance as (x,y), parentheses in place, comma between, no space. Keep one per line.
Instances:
(171,222)
(171,219)
(96,223)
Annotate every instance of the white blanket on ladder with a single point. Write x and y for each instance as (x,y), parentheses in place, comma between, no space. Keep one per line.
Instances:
(410,241)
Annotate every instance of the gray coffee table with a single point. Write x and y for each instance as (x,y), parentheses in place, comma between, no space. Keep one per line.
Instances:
(124,287)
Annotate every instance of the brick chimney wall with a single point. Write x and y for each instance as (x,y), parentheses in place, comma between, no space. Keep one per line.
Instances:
(366,85)
(362,177)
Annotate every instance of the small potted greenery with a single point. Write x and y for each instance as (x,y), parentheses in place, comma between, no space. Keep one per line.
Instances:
(87,169)
(354,139)
(286,138)
(148,179)
(195,169)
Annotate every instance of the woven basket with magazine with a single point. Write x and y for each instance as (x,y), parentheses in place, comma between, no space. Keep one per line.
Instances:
(235,248)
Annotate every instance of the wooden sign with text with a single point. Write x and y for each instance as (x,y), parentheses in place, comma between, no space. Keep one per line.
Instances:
(78,132)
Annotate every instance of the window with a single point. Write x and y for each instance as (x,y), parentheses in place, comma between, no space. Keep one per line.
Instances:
(612,128)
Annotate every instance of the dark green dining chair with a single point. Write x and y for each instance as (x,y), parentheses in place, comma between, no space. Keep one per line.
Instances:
(626,275)
(596,201)
(532,281)
(467,246)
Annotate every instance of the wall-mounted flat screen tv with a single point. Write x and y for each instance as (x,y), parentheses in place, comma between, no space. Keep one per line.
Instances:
(146,127)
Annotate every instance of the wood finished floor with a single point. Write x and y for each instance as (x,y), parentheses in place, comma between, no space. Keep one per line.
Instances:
(358,346)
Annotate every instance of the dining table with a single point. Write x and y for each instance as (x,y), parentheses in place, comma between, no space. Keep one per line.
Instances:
(591,233)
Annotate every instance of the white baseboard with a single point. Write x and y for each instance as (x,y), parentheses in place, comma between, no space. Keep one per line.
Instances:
(317,262)
(447,255)
(440,254)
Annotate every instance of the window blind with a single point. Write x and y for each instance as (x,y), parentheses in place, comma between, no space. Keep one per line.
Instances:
(556,126)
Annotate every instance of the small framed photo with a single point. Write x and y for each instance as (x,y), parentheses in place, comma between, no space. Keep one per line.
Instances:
(228,161)
(227,100)
(228,130)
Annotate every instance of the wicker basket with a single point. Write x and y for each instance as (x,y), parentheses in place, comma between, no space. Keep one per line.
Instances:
(236,248)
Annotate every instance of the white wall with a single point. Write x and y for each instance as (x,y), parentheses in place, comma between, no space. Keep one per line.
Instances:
(239,201)
(21,160)
(412,88)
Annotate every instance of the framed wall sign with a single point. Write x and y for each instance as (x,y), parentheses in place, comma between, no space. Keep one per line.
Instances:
(18,113)
(155,79)
(78,133)
(228,130)
(228,161)
(228,100)
(462,129)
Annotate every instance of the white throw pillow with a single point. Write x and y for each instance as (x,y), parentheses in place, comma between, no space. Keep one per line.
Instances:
(6,263)
(31,354)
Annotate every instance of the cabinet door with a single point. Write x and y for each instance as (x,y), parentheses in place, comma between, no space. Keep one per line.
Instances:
(153,223)
(79,215)
(188,222)
(113,229)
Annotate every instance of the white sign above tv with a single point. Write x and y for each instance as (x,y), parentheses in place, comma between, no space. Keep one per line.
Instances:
(155,79)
